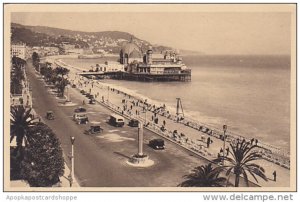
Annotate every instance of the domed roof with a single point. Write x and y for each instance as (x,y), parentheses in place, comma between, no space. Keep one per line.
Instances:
(130,48)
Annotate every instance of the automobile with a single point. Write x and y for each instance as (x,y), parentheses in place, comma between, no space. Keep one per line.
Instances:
(73,86)
(87,95)
(92,101)
(80,118)
(94,130)
(133,123)
(82,92)
(50,115)
(91,96)
(116,120)
(157,144)
(79,109)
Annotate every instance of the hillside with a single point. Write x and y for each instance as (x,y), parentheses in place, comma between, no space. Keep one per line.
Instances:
(110,41)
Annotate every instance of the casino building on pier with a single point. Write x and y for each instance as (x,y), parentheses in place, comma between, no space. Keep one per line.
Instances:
(139,65)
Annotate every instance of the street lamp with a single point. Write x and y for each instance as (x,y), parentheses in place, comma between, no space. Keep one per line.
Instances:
(107,94)
(72,159)
(224,139)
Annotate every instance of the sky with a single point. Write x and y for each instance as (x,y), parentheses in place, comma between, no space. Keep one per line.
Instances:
(208,32)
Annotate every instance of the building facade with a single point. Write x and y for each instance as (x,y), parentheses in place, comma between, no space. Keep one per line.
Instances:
(18,50)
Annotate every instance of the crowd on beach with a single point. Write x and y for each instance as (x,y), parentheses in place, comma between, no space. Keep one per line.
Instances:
(134,107)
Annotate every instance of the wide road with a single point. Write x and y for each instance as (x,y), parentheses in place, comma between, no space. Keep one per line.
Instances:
(100,161)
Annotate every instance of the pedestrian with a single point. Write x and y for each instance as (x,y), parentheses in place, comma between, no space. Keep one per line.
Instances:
(83,102)
(164,122)
(221,150)
(252,140)
(256,142)
(274,175)
(152,117)
(227,151)
(208,142)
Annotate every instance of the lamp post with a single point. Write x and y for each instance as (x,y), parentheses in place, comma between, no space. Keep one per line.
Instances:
(224,139)
(107,94)
(68,95)
(72,160)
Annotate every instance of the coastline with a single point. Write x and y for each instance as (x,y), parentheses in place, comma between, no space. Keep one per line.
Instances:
(273,154)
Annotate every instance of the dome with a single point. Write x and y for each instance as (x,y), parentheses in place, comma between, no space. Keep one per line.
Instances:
(135,54)
(131,48)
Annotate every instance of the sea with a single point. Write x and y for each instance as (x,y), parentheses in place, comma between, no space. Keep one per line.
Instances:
(250,94)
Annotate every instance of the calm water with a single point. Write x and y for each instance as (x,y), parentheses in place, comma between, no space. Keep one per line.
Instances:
(251,94)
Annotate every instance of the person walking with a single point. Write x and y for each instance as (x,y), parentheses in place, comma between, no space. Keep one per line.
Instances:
(227,151)
(274,175)
(164,122)
(208,142)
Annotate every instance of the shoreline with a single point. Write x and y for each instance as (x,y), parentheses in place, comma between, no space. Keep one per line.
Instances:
(272,153)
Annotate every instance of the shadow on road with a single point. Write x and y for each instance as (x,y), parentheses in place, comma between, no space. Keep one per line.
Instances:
(123,155)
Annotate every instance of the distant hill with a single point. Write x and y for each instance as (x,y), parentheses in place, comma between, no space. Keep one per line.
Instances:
(107,40)
(51,31)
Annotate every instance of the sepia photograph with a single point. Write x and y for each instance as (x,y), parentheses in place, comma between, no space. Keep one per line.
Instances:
(149,97)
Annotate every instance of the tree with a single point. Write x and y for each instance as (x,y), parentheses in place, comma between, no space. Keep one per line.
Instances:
(61,71)
(43,162)
(20,122)
(61,84)
(35,59)
(241,162)
(204,176)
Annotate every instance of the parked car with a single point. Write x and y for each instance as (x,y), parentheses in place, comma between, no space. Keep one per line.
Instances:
(158,144)
(116,120)
(50,115)
(92,101)
(133,123)
(91,96)
(80,118)
(79,109)
(82,92)
(94,130)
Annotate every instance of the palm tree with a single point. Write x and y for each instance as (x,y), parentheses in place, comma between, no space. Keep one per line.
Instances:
(241,162)
(21,120)
(204,176)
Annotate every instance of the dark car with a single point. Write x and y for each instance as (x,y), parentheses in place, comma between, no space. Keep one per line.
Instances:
(50,115)
(157,144)
(133,123)
(73,86)
(94,130)
(79,109)
(91,96)
(82,92)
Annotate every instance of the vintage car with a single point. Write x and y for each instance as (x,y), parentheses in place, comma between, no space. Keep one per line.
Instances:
(158,144)
(133,123)
(94,130)
(50,115)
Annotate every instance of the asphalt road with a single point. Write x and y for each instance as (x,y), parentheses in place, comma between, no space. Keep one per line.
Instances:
(100,160)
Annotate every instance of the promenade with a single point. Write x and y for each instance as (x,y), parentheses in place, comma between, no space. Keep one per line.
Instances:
(188,137)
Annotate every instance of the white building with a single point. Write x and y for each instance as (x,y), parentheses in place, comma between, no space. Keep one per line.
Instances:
(18,50)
